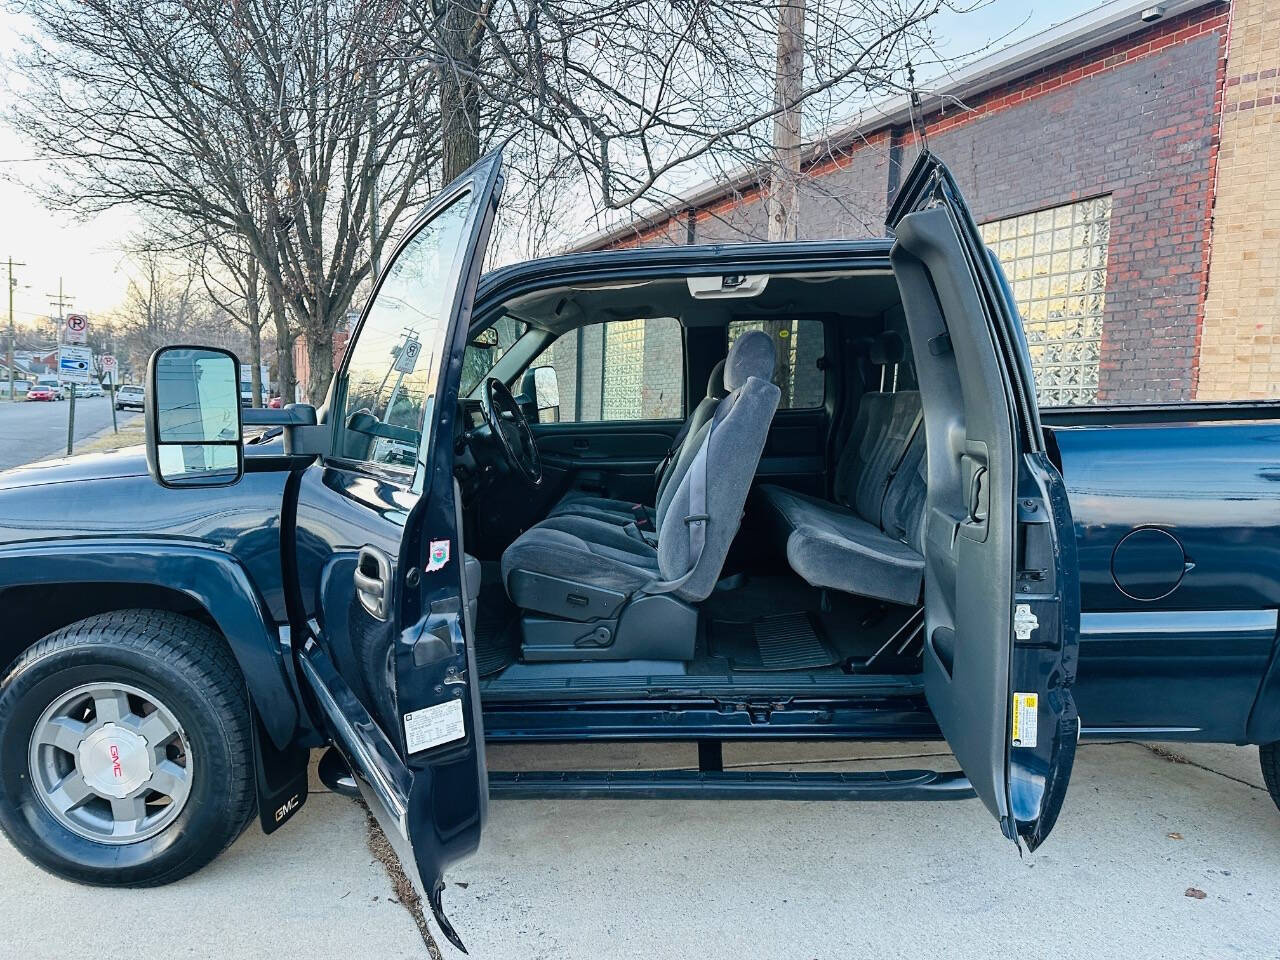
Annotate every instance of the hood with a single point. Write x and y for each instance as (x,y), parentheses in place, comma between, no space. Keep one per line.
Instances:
(127,462)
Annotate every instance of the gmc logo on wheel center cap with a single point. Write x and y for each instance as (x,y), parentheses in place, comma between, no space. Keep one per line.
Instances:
(115,763)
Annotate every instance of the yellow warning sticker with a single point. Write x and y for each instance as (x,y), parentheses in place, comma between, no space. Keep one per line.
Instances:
(1026,719)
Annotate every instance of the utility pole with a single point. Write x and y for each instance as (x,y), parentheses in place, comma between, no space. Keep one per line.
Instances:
(61,302)
(787,122)
(13,393)
(784,187)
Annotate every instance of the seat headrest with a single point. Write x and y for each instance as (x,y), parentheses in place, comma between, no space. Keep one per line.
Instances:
(715,383)
(887,348)
(752,355)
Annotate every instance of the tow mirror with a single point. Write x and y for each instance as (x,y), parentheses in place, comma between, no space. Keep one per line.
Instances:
(192,413)
(541,385)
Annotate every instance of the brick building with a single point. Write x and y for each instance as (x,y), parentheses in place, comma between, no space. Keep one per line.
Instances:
(1093,155)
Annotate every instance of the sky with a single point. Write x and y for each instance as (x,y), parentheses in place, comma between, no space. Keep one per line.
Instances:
(87,255)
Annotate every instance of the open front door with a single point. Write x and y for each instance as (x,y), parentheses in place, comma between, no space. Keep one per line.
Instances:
(1002,606)
(384,580)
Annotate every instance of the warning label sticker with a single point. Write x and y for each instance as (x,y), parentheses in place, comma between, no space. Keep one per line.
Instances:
(1026,722)
(432,726)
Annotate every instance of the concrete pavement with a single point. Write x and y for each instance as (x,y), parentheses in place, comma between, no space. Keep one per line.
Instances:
(38,431)
(706,879)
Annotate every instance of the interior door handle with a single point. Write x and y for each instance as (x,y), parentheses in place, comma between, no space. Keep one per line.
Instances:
(978,497)
(373,582)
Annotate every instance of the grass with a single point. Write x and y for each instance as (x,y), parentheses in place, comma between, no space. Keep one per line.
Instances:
(131,434)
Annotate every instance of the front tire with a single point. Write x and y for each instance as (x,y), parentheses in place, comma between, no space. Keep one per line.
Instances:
(125,749)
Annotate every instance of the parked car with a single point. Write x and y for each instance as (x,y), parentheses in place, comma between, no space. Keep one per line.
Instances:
(130,397)
(43,393)
(275,403)
(90,389)
(457,546)
(53,384)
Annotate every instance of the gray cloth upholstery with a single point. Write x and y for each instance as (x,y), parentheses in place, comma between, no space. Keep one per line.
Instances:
(716,390)
(731,458)
(578,503)
(752,355)
(832,547)
(725,450)
(585,551)
(869,541)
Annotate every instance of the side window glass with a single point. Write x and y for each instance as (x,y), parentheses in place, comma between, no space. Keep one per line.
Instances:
(393,365)
(800,346)
(619,370)
(483,353)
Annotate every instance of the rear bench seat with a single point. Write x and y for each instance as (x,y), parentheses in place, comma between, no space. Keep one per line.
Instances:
(869,542)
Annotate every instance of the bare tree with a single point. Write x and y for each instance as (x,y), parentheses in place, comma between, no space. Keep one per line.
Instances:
(630,99)
(161,305)
(269,120)
(233,281)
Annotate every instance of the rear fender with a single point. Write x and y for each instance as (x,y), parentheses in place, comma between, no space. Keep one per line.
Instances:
(211,578)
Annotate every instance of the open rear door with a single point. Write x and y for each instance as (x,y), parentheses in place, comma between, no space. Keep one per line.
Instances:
(1002,608)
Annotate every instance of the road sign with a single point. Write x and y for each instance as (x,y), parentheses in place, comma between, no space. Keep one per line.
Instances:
(408,358)
(108,363)
(76,328)
(75,364)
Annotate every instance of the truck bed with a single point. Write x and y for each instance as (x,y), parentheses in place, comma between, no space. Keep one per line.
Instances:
(1177,518)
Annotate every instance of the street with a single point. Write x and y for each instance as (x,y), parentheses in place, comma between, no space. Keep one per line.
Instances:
(1160,852)
(38,431)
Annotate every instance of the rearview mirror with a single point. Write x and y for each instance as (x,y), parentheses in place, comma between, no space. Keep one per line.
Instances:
(192,413)
(486,339)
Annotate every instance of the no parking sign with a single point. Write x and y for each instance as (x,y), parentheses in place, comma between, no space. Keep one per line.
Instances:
(76,328)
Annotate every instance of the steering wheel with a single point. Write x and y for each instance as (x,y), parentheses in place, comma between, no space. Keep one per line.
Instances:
(508,423)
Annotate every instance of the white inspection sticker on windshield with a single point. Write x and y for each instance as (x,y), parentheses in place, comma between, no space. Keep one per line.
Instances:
(432,726)
(1026,720)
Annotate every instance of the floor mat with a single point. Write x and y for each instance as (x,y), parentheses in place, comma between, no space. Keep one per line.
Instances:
(497,632)
(786,641)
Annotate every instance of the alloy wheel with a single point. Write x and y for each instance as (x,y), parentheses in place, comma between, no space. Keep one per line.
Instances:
(111,763)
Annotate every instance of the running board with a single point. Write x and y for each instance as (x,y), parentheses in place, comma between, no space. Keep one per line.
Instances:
(732,784)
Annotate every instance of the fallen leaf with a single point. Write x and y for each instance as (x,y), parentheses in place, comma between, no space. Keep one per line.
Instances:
(1174,836)
(1195,893)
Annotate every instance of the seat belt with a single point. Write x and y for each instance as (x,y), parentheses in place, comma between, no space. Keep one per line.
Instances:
(698,517)
(665,463)
(897,463)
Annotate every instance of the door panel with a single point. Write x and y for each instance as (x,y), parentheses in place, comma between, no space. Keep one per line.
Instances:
(615,459)
(379,553)
(794,451)
(1001,587)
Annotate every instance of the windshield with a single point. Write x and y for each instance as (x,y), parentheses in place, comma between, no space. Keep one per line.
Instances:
(479,359)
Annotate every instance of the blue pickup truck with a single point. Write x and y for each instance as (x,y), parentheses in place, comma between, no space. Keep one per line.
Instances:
(447,551)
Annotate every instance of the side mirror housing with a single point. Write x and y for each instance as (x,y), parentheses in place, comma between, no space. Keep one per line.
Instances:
(191,408)
(542,386)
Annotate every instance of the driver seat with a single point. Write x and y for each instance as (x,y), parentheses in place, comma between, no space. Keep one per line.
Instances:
(594,590)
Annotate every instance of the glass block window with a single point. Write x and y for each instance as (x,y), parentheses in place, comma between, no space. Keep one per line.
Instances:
(618,370)
(1056,262)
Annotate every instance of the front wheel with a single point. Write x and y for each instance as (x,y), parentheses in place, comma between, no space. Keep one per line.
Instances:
(125,750)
